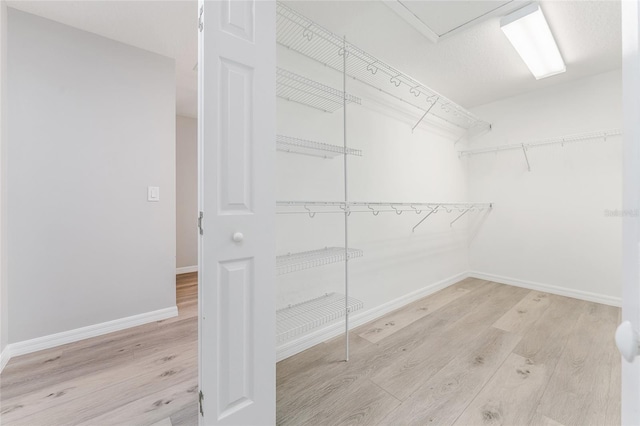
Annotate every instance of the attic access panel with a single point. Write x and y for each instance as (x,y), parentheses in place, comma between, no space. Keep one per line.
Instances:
(440,19)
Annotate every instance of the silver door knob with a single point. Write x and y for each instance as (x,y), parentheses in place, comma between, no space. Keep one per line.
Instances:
(627,341)
(237,237)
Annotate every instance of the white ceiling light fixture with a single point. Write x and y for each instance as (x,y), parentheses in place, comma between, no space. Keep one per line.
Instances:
(530,35)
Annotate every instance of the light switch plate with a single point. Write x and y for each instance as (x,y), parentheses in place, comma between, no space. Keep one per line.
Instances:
(153,193)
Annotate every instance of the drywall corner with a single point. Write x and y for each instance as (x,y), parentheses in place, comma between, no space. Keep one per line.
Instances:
(4,305)
(5,356)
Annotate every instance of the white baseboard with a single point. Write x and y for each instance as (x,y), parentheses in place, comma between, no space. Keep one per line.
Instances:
(304,342)
(547,288)
(186,269)
(58,339)
(322,335)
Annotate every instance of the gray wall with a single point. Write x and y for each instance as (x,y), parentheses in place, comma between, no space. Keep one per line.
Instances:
(186,191)
(92,125)
(4,323)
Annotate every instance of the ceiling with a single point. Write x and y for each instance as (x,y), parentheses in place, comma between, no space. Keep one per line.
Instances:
(472,67)
(438,19)
(478,65)
(444,17)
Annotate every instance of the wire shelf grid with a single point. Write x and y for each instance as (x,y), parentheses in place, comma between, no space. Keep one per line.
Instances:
(303,317)
(294,262)
(298,33)
(312,148)
(299,89)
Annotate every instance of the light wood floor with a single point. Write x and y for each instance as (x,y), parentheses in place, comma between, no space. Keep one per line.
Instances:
(138,376)
(476,353)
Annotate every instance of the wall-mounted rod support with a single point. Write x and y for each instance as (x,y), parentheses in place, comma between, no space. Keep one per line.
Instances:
(425,218)
(461,214)
(526,157)
(424,115)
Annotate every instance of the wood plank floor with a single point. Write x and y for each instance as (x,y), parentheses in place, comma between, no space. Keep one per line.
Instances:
(476,353)
(139,376)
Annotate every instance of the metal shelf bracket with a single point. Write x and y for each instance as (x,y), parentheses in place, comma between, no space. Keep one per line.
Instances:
(435,209)
(459,216)
(425,113)
(526,157)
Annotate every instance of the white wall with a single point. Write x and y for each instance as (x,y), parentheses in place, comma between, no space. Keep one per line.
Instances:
(92,125)
(396,166)
(4,312)
(186,192)
(549,225)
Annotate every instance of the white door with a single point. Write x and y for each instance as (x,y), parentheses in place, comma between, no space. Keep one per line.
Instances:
(236,140)
(631,202)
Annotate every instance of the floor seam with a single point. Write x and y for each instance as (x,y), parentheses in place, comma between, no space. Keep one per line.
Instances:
(386,391)
(555,367)
(483,386)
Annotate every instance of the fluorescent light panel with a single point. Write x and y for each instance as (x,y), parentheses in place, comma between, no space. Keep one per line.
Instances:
(530,35)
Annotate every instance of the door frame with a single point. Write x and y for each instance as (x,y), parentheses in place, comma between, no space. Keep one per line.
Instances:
(631,201)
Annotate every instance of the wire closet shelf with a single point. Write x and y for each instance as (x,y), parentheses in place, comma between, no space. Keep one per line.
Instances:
(312,148)
(300,318)
(294,262)
(298,33)
(374,207)
(296,88)
(314,207)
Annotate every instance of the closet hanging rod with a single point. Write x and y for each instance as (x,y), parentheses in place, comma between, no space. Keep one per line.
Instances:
(418,208)
(309,203)
(298,33)
(409,204)
(374,203)
(375,207)
(561,140)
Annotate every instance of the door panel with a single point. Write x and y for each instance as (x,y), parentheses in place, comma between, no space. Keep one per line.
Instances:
(235,328)
(236,95)
(236,140)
